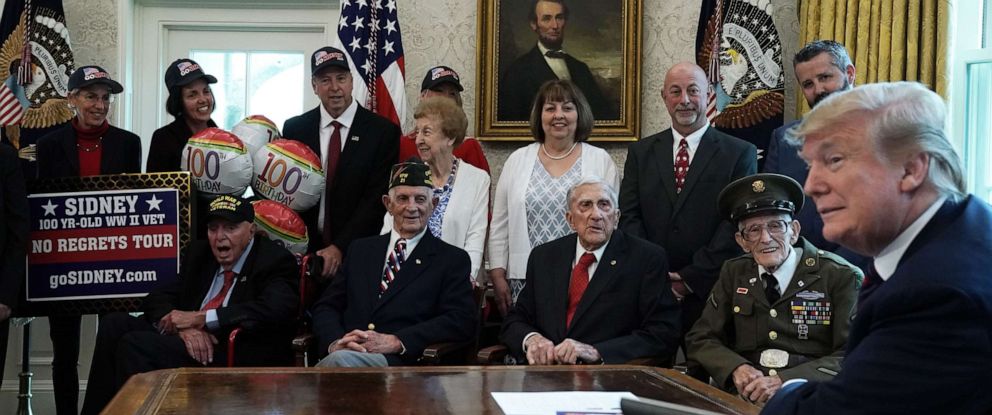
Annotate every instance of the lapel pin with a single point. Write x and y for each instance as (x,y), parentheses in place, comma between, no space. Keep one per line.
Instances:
(417,261)
(244,278)
(354,138)
(613,262)
(810,262)
(752,280)
(800,283)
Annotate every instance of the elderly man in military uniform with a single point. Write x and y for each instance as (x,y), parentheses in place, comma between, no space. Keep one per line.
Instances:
(781,310)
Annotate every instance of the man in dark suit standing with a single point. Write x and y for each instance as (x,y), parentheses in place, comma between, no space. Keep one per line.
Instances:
(545,62)
(235,279)
(13,239)
(596,295)
(889,185)
(822,67)
(400,292)
(670,187)
(356,148)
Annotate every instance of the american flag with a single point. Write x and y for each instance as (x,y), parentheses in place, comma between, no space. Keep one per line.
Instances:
(11,109)
(369,31)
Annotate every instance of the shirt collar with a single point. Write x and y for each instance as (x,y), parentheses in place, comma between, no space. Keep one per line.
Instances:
(410,242)
(888,259)
(784,272)
(598,253)
(543,49)
(241,259)
(346,119)
(692,139)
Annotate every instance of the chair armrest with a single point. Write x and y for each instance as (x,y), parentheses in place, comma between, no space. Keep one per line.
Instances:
(231,338)
(302,342)
(651,361)
(438,353)
(492,355)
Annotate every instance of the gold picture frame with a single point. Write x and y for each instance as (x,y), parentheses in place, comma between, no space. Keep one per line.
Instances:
(604,36)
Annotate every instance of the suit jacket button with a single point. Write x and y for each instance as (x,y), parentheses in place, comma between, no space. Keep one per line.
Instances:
(371,326)
(773,313)
(772,335)
(737,309)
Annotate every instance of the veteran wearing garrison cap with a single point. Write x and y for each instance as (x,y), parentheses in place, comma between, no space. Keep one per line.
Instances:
(783,309)
(399,292)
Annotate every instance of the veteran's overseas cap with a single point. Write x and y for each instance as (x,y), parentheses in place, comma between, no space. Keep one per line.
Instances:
(410,173)
(760,193)
(231,208)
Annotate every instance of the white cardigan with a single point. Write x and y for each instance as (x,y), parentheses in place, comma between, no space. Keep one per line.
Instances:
(509,243)
(465,219)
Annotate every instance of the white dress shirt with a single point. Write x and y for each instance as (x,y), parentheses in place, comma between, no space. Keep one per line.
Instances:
(410,244)
(692,139)
(558,65)
(346,119)
(785,271)
(888,259)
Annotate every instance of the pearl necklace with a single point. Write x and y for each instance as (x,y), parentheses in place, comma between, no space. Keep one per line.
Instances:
(544,148)
(95,147)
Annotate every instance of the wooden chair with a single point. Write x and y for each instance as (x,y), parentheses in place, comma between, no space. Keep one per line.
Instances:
(457,353)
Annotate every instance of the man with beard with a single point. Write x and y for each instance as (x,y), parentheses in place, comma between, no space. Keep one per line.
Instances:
(670,186)
(822,68)
(545,62)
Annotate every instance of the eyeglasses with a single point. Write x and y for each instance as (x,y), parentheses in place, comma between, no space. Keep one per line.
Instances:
(775,228)
(94,98)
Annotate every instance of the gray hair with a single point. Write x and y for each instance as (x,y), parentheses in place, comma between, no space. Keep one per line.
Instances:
(593,180)
(838,54)
(903,118)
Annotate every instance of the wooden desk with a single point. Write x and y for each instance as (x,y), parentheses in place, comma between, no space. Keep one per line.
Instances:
(435,390)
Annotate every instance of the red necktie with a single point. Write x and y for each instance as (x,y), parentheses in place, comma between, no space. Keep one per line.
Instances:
(218,299)
(333,155)
(681,165)
(580,280)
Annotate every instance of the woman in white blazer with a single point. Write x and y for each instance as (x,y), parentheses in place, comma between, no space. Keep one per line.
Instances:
(461,190)
(529,206)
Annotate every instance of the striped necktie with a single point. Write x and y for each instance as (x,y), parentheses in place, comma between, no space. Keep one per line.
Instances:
(393,263)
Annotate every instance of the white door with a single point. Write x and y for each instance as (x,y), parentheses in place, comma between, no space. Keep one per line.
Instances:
(260,59)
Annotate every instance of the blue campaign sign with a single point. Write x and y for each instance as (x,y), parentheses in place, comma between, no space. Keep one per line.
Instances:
(102,244)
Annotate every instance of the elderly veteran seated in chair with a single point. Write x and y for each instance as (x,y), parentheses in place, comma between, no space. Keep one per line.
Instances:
(597,295)
(399,292)
(783,309)
(234,279)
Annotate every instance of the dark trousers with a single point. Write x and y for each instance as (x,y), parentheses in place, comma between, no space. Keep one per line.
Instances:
(4,336)
(64,332)
(126,346)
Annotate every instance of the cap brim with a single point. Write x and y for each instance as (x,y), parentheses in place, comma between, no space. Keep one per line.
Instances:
(226,215)
(115,87)
(433,85)
(210,79)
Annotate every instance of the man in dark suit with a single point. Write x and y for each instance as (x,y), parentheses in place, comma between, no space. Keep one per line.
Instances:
(889,185)
(546,62)
(670,187)
(596,295)
(400,292)
(234,280)
(13,239)
(356,148)
(822,67)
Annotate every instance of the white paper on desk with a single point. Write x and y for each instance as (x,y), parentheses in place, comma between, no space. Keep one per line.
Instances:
(553,403)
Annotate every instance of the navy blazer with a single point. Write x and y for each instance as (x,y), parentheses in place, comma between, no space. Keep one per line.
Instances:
(688,224)
(783,158)
(59,157)
(921,342)
(360,179)
(265,299)
(430,300)
(628,310)
(523,79)
(13,228)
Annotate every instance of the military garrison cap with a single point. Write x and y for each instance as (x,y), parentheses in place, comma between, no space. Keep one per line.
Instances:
(410,173)
(760,193)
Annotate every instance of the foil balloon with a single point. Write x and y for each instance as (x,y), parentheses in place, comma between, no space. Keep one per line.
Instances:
(288,171)
(218,161)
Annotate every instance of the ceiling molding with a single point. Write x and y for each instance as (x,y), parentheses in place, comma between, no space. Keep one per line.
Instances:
(242,4)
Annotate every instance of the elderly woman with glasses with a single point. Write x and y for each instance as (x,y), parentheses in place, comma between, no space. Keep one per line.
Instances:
(782,310)
(86,146)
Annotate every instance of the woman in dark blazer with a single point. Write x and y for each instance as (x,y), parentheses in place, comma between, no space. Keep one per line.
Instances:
(191,102)
(86,146)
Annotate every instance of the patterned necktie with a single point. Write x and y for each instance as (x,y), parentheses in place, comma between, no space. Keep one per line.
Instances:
(333,155)
(218,299)
(771,288)
(393,263)
(871,283)
(681,165)
(580,280)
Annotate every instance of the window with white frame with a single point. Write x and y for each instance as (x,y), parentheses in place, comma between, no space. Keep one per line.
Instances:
(971,94)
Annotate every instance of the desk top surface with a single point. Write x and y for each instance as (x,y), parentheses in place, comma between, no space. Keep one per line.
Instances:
(457,390)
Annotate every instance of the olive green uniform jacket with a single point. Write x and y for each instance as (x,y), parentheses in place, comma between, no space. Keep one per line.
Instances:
(810,321)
